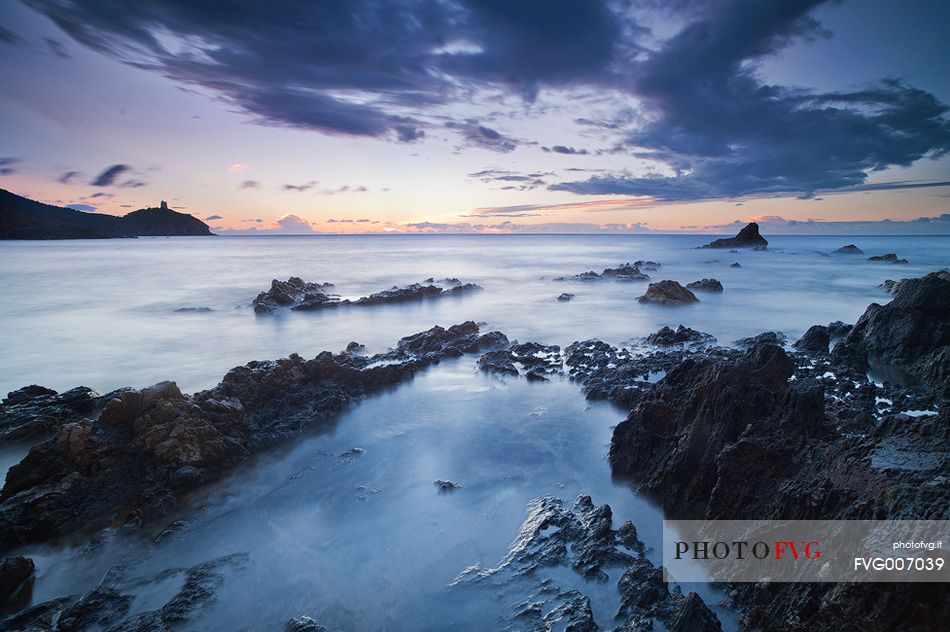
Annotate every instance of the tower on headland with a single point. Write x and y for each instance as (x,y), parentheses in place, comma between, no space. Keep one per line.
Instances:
(164,206)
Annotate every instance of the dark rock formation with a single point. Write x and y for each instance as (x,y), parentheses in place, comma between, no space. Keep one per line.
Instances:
(668,293)
(302,296)
(748,237)
(147,447)
(850,249)
(766,337)
(109,605)
(565,296)
(446,486)
(912,332)
(33,411)
(815,340)
(705,285)
(582,537)
(303,624)
(647,265)
(535,360)
(289,292)
(667,337)
(16,582)
(838,329)
(889,258)
(623,272)
(735,265)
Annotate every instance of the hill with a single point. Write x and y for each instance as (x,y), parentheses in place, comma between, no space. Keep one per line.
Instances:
(23,218)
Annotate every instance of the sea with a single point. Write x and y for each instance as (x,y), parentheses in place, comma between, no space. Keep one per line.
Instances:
(363,539)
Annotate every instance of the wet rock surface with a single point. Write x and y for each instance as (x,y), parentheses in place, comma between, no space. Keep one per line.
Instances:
(623,272)
(300,295)
(34,411)
(667,337)
(108,606)
(766,337)
(668,293)
(815,340)
(16,581)
(581,537)
(748,237)
(705,285)
(147,447)
(532,359)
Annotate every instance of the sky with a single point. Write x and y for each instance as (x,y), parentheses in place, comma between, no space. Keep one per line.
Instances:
(547,116)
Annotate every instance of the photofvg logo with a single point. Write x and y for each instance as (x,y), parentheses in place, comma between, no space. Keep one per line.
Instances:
(805,550)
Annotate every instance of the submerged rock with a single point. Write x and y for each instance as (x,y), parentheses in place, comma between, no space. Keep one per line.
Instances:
(748,237)
(668,293)
(446,486)
(535,360)
(565,296)
(889,258)
(303,624)
(850,249)
(623,272)
(735,265)
(705,285)
(667,337)
(148,447)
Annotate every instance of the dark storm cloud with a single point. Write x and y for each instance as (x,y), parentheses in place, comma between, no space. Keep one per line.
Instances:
(288,67)
(8,166)
(725,133)
(109,176)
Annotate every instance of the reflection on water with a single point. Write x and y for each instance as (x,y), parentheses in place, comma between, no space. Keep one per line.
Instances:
(102,313)
(365,540)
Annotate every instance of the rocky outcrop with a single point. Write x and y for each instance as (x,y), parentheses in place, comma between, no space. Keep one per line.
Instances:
(565,297)
(735,265)
(302,296)
(109,606)
(16,582)
(815,340)
(34,411)
(668,293)
(147,447)
(889,258)
(303,624)
(911,333)
(536,361)
(289,292)
(582,537)
(623,272)
(705,285)
(667,337)
(850,249)
(748,237)
(766,337)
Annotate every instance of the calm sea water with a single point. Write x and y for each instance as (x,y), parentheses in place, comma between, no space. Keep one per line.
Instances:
(370,543)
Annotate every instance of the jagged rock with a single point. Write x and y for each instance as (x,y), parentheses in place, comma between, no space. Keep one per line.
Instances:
(815,340)
(748,237)
(850,249)
(838,329)
(16,582)
(536,360)
(912,332)
(286,293)
(666,337)
(500,362)
(668,293)
(414,292)
(647,265)
(147,447)
(705,285)
(565,296)
(625,272)
(33,411)
(889,257)
(735,265)
(303,624)
(766,337)
(446,486)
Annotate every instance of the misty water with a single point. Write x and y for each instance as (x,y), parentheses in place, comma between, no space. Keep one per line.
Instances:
(366,540)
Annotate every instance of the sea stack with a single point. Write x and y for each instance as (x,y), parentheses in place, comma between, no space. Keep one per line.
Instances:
(748,237)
